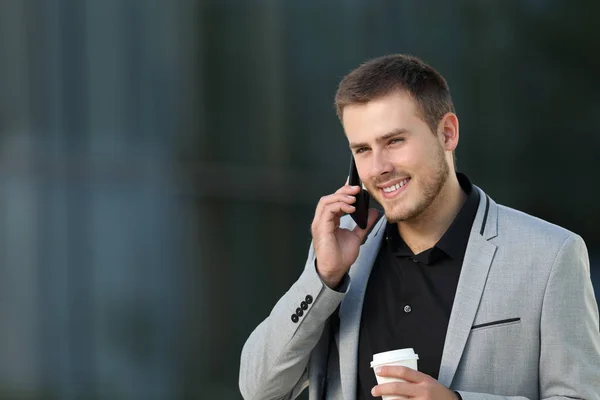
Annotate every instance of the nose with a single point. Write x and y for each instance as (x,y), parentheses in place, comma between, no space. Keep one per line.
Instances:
(380,164)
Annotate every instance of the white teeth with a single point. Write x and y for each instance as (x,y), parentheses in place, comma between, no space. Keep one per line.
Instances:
(396,186)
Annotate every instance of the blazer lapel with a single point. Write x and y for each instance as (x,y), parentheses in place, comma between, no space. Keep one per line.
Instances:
(478,259)
(351,309)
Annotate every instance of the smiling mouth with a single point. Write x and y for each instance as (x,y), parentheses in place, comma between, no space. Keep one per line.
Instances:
(395,187)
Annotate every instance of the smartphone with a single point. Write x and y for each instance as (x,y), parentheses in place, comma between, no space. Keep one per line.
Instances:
(361,214)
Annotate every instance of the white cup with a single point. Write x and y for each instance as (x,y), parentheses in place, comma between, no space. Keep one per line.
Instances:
(403,357)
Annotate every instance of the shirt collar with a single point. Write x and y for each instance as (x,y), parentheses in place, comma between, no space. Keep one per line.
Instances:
(454,241)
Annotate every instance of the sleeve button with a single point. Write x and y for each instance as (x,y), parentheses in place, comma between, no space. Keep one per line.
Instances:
(299,312)
(295,318)
(304,305)
(309,299)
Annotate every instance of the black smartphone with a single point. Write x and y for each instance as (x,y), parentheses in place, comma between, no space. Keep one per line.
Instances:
(361,214)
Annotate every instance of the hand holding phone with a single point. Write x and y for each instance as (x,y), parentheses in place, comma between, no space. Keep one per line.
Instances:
(361,215)
(336,249)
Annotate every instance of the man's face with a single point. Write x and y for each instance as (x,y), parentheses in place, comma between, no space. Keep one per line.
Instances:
(400,161)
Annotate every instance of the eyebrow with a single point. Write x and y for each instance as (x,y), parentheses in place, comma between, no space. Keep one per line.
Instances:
(381,138)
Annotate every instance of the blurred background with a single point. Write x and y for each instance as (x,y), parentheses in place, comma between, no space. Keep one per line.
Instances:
(160,162)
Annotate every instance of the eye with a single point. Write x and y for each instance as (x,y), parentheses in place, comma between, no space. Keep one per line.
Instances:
(361,150)
(396,140)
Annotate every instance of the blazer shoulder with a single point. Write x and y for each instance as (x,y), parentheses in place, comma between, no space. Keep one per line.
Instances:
(515,223)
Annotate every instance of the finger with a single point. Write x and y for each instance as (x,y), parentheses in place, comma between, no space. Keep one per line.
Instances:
(333,212)
(404,373)
(361,233)
(331,199)
(344,190)
(347,189)
(329,220)
(400,389)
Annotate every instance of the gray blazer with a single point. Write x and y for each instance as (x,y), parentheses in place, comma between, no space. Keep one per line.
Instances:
(524,322)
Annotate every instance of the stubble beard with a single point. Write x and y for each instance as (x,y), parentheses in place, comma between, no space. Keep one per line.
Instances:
(427,188)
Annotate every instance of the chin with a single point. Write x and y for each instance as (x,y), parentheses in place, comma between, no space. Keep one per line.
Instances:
(394,216)
(400,214)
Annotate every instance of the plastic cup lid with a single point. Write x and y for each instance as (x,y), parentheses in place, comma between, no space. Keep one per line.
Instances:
(394,355)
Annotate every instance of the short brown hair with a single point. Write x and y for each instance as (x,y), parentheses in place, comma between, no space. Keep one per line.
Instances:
(380,76)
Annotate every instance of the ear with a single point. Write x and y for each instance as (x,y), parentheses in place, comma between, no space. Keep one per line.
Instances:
(448,131)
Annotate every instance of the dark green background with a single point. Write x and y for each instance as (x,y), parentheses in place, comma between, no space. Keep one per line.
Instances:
(160,162)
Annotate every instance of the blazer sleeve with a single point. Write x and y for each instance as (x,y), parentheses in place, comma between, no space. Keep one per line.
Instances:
(570,336)
(274,358)
(569,366)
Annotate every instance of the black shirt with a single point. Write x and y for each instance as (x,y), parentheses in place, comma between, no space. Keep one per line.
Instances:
(409,297)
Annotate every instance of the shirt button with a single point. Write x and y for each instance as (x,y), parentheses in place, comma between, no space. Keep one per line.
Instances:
(407,308)
(414,259)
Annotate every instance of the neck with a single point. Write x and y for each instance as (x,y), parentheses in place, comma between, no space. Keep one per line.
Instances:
(424,231)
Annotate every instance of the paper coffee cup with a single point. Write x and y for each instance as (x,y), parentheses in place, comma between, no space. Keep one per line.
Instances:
(403,357)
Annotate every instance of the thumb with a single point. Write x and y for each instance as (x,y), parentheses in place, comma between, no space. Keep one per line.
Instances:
(362,233)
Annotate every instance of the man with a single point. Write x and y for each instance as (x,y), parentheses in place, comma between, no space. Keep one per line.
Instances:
(497,303)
